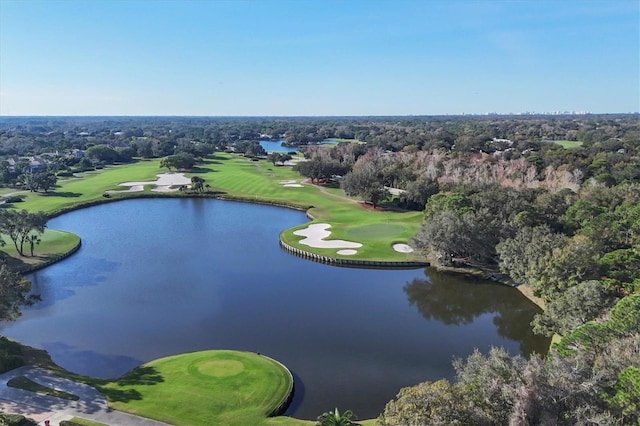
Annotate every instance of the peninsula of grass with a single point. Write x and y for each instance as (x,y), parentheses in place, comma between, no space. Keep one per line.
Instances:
(238,178)
(204,388)
(54,245)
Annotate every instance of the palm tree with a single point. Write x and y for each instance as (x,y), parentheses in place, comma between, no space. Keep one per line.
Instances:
(334,418)
(197,184)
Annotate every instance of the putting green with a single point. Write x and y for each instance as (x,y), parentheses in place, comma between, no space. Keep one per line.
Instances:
(377,230)
(219,368)
(203,388)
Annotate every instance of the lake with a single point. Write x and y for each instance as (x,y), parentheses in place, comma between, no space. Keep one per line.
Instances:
(156,277)
(276,146)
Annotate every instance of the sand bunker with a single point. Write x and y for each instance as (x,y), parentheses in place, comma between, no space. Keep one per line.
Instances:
(132,188)
(403,248)
(166,182)
(315,237)
(347,252)
(290,184)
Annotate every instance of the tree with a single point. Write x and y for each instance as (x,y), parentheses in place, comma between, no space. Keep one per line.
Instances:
(581,303)
(428,403)
(14,293)
(197,184)
(366,181)
(19,225)
(33,240)
(564,267)
(181,161)
(418,192)
(518,254)
(274,157)
(334,418)
(102,153)
(36,181)
(626,395)
(250,148)
(487,384)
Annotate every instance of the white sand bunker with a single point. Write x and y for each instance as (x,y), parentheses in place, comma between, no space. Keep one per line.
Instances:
(403,248)
(347,252)
(290,184)
(132,188)
(315,237)
(166,182)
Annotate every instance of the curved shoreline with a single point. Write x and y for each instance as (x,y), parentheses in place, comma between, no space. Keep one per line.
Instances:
(56,259)
(306,254)
(286,401)
(351,263)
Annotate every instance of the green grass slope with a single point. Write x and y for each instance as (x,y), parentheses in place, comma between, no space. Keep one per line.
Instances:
(205,388)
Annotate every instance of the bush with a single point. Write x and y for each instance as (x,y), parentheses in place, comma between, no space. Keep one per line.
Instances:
(10,355)
(15,420)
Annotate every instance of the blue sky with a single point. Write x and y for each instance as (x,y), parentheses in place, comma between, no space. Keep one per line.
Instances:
(317,57)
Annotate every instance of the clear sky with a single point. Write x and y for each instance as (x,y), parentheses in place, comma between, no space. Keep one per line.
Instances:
(318,57)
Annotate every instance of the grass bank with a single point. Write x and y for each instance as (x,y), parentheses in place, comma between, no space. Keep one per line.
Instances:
(54,245)
(210,387)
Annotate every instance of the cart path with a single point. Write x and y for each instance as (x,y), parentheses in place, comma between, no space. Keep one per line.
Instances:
(90,405)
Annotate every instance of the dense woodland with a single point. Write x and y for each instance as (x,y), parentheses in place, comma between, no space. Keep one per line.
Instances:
(497,192)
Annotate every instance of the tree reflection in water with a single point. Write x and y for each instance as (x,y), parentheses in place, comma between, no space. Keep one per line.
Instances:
(453,300)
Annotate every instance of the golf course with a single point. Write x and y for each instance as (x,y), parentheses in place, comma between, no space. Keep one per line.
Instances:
(216,387)
(229,176)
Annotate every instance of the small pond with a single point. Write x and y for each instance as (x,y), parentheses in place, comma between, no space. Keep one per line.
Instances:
(156,277)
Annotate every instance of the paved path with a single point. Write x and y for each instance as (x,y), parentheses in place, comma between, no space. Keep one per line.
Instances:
(91,404)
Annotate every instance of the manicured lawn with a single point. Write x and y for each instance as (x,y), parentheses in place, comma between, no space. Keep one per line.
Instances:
(260,181)
(568,144)
(72,192)
(54,243)
(204,388)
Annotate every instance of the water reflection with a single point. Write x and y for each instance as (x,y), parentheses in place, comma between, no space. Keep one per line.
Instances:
(445,297)
(158,277)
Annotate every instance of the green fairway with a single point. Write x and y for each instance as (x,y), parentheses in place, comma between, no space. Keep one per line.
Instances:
(204,388)
(89,187)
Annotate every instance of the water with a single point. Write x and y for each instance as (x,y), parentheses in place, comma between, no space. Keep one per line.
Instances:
(276,146)
(157,277)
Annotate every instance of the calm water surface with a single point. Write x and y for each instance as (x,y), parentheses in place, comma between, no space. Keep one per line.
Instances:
(158,277)
(276,146)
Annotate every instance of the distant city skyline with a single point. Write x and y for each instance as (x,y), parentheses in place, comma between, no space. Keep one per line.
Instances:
(318,57)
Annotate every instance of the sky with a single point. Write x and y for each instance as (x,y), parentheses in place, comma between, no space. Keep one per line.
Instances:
(318,57)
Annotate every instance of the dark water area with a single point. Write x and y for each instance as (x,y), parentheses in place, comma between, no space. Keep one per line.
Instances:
(157,277)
